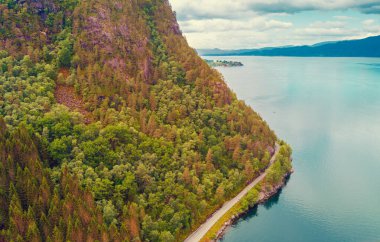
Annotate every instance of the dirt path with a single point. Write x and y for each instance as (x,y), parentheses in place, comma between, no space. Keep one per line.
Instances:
(204,228)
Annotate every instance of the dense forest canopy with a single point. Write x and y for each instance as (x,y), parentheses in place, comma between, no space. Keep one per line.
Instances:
(111,127)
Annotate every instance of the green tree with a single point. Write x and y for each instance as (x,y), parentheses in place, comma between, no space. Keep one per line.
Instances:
(109,213)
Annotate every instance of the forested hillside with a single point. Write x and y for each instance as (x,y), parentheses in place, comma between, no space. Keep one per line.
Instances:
(111,127)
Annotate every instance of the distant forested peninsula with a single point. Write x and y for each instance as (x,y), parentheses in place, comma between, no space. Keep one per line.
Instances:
(368,47)
(216,63)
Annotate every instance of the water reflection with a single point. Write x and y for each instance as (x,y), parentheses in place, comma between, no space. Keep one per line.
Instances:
(253,212)
(274,199)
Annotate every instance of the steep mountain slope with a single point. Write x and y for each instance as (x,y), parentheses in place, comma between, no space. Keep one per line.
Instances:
(368,47)
(147,141)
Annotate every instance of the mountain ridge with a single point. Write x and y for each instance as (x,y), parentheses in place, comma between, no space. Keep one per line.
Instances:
(367,47)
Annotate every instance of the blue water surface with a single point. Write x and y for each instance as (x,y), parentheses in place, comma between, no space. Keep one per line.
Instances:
(328,110)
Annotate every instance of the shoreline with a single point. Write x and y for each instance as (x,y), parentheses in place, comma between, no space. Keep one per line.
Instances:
(263,198)
(214,227)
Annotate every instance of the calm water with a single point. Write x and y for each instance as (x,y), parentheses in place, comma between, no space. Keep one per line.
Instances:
(328,110)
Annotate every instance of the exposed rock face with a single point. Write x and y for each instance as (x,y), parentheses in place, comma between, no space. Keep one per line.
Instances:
(40,6)
(108,31)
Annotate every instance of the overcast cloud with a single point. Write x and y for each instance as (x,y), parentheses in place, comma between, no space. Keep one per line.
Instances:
(230,24)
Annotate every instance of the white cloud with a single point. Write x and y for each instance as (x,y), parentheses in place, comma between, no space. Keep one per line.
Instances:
(331,32)
(368,22)
(371,26)
(342,18)
(294,6)
(328,24)
(228,8)
(258,23)
(218,25)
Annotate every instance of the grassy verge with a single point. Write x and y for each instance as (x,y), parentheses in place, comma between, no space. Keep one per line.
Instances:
(248,201)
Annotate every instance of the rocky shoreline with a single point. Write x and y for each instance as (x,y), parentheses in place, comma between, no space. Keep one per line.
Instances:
(264,196)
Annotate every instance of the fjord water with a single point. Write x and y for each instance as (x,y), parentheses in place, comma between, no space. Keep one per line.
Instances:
(328,110)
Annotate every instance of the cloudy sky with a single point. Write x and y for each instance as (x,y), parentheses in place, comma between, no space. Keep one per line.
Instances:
(231,24)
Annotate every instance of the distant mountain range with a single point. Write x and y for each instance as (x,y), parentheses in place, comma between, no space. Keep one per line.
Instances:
(368,47)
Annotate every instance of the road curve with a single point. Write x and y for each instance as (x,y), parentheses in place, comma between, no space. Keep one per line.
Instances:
(204,228)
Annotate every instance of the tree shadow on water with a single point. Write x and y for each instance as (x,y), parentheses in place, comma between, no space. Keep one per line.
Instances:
(253,212)
(275,198)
